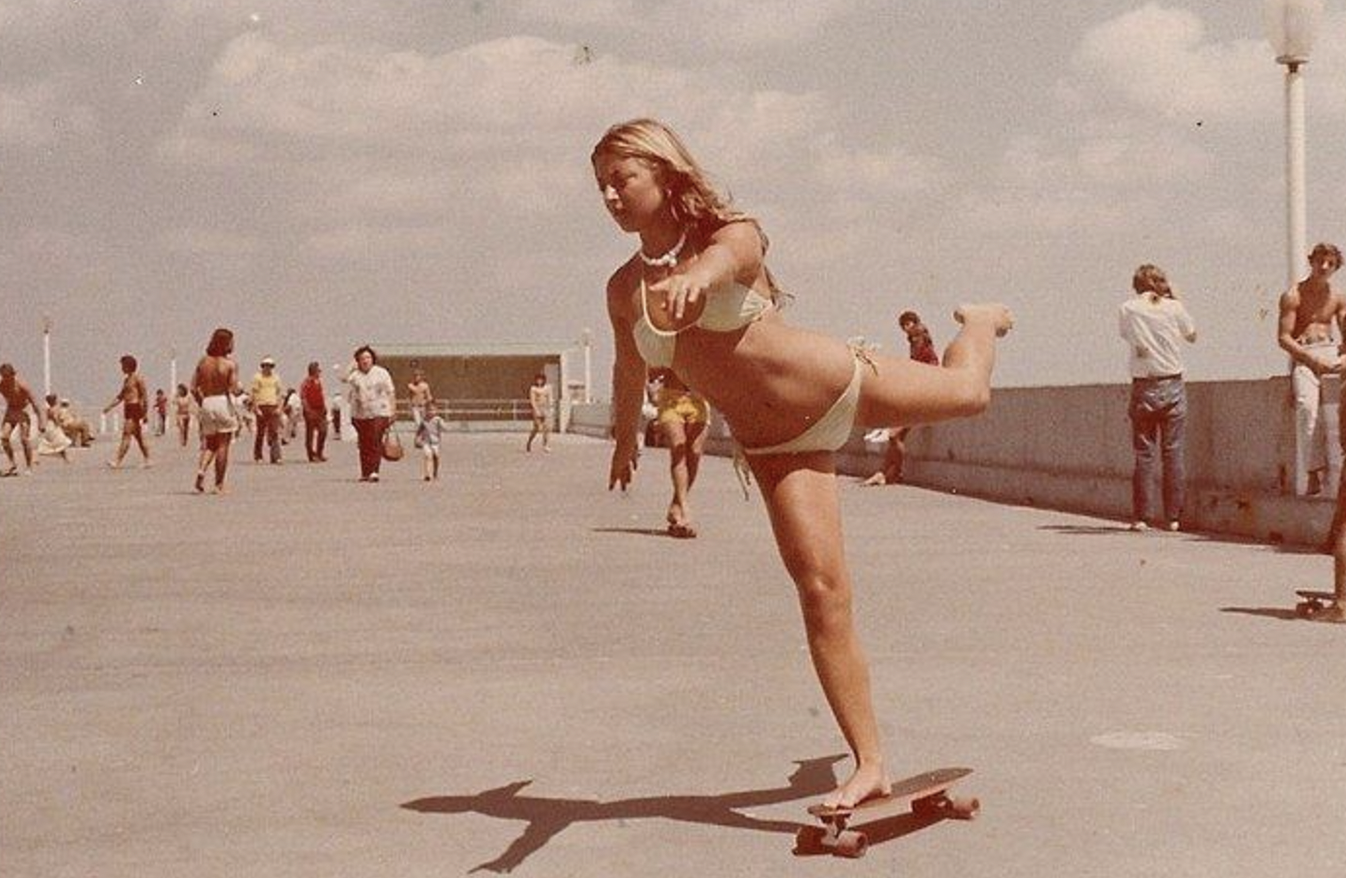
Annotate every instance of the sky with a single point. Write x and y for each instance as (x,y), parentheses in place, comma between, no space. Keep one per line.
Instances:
(318,175)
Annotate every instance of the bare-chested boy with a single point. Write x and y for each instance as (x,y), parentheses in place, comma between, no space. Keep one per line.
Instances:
(134,399)
(18,398)
(214,384)
(1308,311)
(421,396)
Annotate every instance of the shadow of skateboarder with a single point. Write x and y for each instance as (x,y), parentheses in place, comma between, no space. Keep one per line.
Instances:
(547,817)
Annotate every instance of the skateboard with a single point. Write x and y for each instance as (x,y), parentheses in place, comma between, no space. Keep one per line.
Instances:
(1321,605)
(927,795)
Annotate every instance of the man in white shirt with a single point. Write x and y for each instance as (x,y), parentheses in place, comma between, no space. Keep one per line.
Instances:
(1155,324)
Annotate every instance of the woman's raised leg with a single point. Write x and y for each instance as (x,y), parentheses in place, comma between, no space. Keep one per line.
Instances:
(900,391)
(801,498)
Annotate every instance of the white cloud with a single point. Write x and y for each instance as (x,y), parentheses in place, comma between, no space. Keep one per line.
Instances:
(719,25)
(861,173)
(355,133)
(1161,60)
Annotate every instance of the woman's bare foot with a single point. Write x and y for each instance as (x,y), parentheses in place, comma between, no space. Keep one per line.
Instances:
(991,312)
(867,782)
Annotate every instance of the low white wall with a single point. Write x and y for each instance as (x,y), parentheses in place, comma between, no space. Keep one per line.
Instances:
(1069,448)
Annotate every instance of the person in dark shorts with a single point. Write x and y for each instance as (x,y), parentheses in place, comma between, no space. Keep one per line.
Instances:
(134,400)
(18,399)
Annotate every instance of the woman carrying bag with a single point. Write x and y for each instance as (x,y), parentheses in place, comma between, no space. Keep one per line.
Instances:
(372,397)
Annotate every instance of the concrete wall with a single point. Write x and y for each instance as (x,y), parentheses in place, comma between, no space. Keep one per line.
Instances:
(1069,448)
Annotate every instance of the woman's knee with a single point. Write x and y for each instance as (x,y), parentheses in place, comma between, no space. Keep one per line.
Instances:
(973,394)
(824,598)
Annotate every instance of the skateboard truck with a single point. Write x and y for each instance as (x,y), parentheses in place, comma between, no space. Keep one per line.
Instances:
(1320,606)
(929,802)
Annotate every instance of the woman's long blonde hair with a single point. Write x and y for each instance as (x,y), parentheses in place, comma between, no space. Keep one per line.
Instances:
(696,203)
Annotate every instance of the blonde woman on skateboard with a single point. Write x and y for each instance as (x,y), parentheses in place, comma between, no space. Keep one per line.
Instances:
(697,297)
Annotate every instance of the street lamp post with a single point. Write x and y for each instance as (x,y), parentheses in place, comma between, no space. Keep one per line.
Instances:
(1291,26)
(587,340)
(46,355)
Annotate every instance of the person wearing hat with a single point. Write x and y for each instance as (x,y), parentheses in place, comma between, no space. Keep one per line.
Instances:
(265,393)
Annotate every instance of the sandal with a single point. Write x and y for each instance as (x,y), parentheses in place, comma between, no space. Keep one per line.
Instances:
(681,531)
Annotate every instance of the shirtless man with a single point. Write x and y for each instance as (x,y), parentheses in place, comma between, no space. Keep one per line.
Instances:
(18,398)
(1307,311)
(421,395)
(134,399)
(540,403)
(214,385)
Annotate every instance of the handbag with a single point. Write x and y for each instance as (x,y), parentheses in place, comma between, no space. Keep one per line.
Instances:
(392,445)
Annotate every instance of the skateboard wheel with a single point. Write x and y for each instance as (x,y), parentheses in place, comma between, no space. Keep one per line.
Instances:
(851,844)
(964,807)
(810,838)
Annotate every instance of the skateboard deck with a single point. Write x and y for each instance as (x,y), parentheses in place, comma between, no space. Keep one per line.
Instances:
(925,796)
(1321,605)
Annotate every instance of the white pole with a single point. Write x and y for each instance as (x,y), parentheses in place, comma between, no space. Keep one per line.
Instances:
(46,356)
(588,367)
(172,371)
(1296,209)
(1296,213)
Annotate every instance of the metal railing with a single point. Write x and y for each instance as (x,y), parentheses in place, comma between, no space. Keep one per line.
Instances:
(474,409)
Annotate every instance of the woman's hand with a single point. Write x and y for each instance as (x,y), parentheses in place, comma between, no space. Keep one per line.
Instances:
(680,292)
(623,466)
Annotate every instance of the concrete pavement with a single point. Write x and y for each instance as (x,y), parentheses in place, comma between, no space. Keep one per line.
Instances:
(513,670)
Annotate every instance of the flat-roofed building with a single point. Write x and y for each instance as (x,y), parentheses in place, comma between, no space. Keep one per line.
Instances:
(484,386)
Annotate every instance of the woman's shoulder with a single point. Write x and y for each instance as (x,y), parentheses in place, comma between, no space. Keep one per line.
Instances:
(625,279)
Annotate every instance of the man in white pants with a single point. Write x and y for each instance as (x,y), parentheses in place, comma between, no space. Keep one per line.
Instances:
(1308,311)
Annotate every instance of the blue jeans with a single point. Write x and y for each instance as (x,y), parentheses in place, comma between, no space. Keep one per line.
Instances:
(1158,413)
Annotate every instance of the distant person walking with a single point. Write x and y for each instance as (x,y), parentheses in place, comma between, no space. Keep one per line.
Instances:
(134,400)
(182,413)
(540,402)
(922,349)
(160,412)
(429,436)
(1154,324)
(683,416)
(313,399)
(420,396)
(215,386)
(372,396)
(1309,312)
(336,404)
(291,410)
(266,400)
(18,399)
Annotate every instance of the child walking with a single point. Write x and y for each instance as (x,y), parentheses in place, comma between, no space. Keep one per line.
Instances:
(428,434)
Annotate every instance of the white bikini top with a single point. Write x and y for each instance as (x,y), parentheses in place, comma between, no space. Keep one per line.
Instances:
(728,307)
